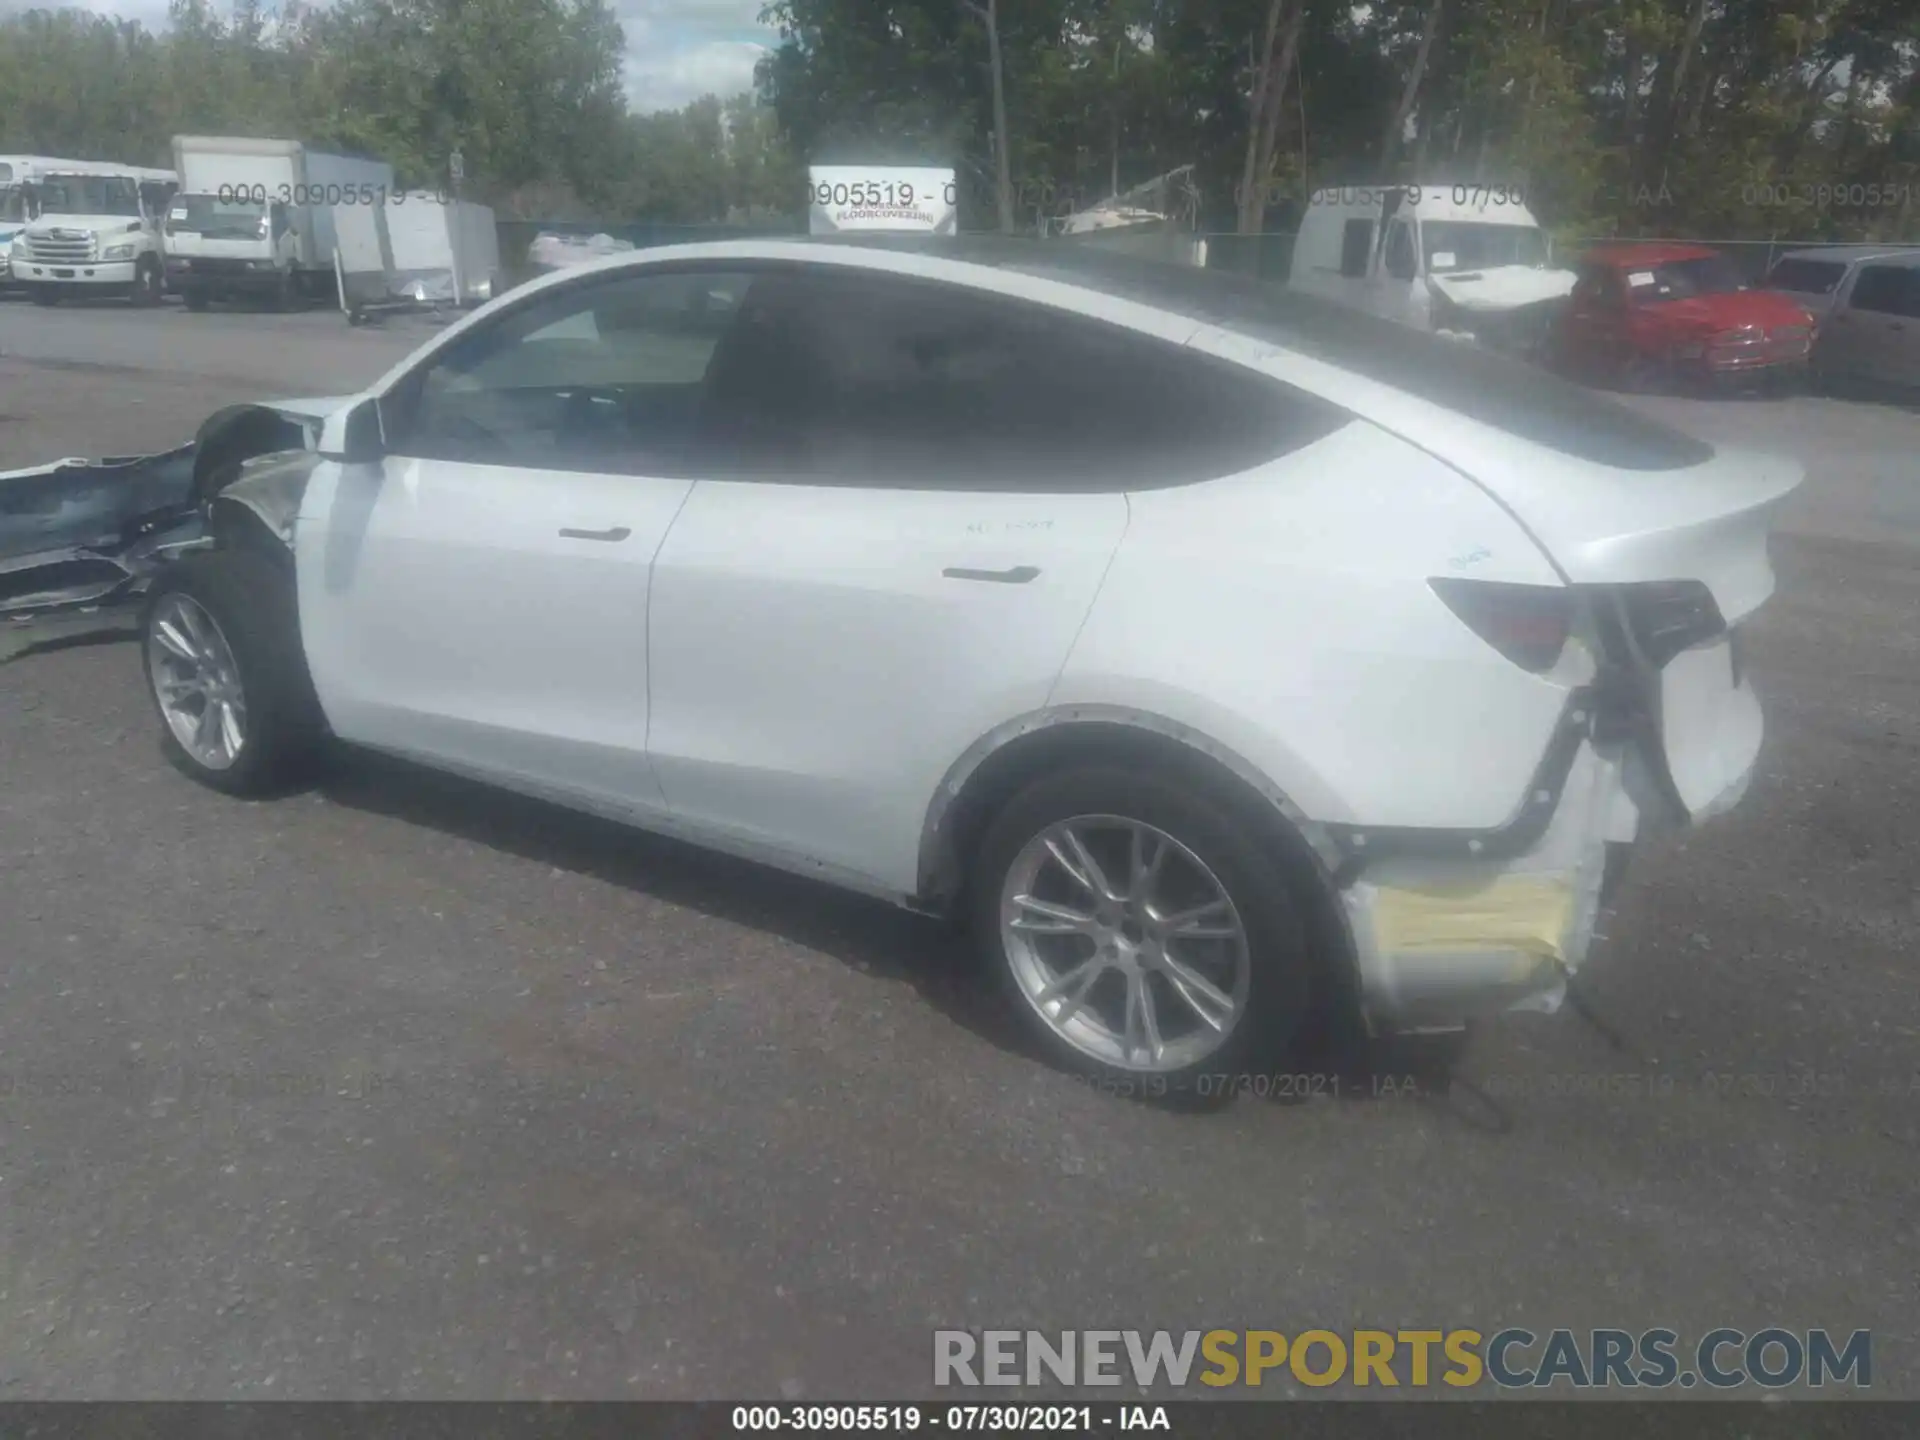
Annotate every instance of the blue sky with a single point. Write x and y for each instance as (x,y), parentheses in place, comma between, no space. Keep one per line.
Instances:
(677,50)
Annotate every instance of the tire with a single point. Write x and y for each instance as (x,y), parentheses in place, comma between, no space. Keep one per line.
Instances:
(149,287)
(45,295)
(1265,970)
(196,299)
(249,602)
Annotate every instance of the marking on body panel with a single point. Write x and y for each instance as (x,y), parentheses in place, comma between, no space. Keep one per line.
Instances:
(1472,557)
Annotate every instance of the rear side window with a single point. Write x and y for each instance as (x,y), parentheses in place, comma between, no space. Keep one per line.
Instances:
(860,378)
(1489,388)
(1356,247)
(1806,277)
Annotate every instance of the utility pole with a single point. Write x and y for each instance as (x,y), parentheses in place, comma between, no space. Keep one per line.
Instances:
(988,15)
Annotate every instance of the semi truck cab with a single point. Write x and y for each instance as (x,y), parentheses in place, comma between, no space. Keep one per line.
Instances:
(95,233)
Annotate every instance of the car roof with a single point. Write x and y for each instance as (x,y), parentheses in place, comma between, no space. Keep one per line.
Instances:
(1847,254)
(1519,399)
(1651,252)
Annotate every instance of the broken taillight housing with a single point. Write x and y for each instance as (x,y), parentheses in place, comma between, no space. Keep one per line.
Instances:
(1528,624)
(1669,616)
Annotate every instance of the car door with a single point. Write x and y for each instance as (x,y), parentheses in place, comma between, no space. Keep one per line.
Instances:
(479,597)
(914,492)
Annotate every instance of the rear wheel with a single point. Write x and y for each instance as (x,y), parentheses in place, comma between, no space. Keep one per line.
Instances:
(221,649)
(1139,932)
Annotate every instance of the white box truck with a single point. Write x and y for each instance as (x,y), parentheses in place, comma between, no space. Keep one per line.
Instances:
(256,217)
(1467,260)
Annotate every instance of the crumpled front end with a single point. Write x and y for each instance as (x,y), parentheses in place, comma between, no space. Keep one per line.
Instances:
(81,540)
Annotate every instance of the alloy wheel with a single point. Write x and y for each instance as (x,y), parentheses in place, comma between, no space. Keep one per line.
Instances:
(196,682)
(1125,943)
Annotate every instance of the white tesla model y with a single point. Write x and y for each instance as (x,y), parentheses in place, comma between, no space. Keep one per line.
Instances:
(1212,650)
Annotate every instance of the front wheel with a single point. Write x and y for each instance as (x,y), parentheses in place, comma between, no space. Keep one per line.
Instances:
(1140,932)
(221,650)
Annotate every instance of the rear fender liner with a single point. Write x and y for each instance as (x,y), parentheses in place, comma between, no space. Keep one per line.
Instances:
(941,863)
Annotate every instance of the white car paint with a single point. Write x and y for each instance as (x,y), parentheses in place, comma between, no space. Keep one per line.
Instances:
(787,671)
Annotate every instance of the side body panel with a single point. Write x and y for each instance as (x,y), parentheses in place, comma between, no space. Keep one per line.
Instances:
(820,655)
(1285,614)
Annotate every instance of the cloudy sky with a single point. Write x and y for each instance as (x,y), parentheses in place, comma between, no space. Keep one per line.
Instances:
(677,50)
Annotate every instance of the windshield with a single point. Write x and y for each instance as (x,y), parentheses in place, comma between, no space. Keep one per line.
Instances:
(1469,245)
(89,195)
(215,218)
(1684,279)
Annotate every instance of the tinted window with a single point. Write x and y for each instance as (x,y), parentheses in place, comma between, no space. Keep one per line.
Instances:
(1487,387)
(1806,277)
(863,379)
(1883,289)
(1356,247)
(606,375)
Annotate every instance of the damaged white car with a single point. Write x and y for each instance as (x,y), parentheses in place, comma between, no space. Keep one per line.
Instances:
(1218,654)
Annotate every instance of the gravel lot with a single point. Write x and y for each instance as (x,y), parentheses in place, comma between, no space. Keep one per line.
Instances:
(402,1089)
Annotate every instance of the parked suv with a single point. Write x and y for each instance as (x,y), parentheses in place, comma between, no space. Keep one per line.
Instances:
(1215,652)
(1872,333)
(1665,317)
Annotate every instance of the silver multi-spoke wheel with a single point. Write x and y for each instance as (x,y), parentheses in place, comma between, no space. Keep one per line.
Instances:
(1125,943)
(196,682)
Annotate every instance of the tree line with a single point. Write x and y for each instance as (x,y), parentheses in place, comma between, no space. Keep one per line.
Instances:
(1725,118)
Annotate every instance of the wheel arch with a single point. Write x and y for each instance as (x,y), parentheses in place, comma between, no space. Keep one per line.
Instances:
(1000,763)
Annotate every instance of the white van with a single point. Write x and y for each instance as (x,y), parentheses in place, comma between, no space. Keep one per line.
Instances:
(1462,259)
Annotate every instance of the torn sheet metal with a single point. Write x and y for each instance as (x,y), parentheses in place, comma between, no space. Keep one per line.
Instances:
(1443,941)
(80,540)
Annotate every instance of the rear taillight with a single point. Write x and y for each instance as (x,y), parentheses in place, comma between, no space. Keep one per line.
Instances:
(1528,624)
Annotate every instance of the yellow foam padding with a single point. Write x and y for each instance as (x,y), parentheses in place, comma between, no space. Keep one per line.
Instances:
(1529,913)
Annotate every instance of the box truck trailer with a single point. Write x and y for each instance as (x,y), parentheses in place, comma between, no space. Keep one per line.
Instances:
(257,218)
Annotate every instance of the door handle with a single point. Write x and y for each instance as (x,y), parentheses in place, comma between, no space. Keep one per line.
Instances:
(618,532)
(1018,575)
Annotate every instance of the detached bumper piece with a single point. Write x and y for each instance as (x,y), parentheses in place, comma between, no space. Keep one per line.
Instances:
(80,539)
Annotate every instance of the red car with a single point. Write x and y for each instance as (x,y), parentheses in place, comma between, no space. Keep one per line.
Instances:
(1663,316)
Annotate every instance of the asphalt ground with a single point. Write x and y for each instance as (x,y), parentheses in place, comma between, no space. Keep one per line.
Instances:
(401,1088)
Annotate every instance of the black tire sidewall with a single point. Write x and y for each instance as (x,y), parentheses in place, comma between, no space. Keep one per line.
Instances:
(252,600)
(1280,991)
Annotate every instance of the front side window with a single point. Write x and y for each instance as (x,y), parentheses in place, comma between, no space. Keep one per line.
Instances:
(89,195)
(606,375)
(859,378)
